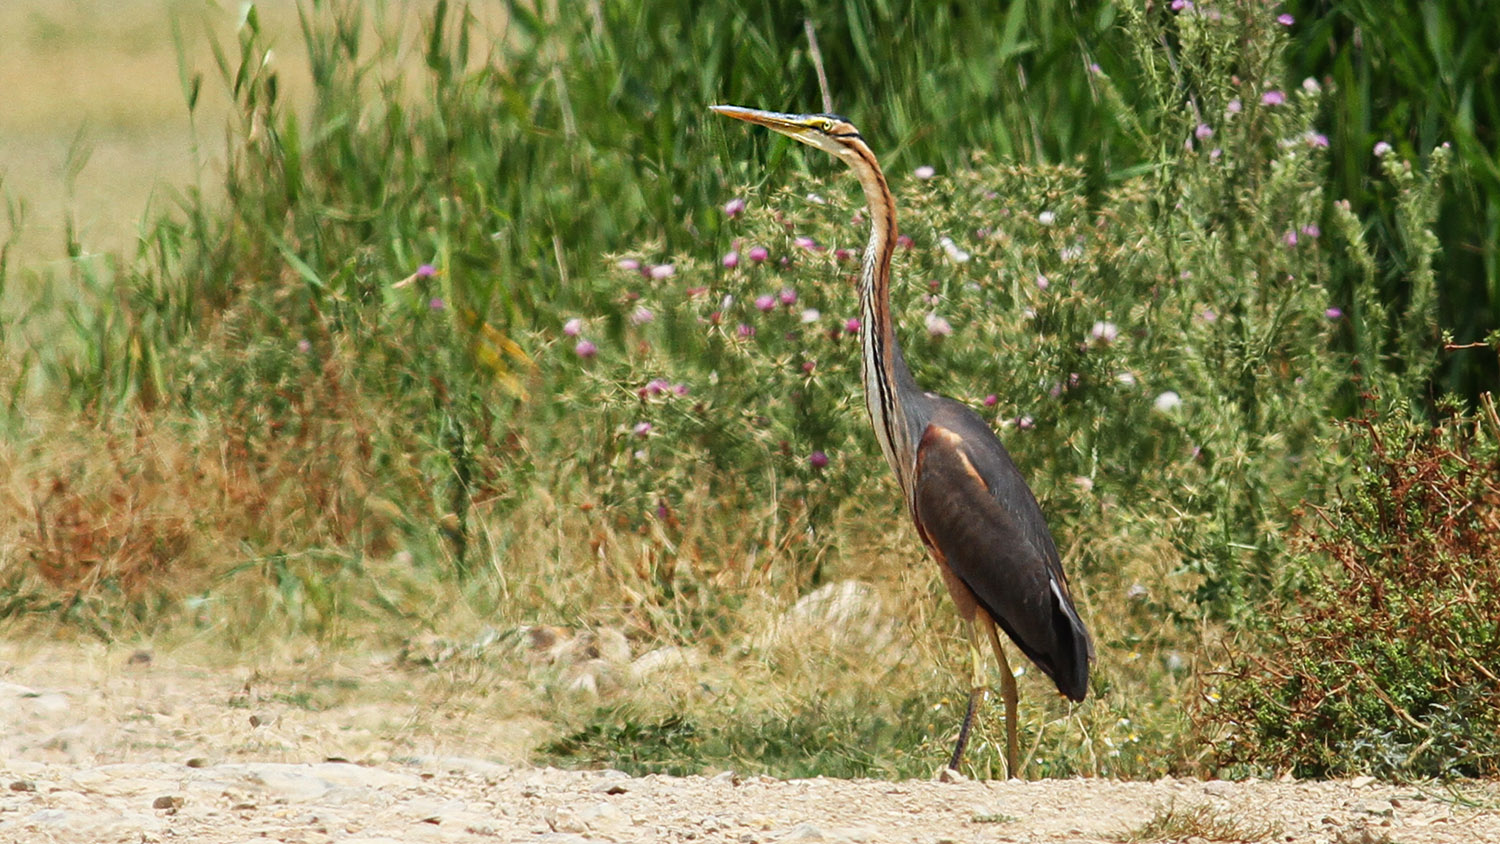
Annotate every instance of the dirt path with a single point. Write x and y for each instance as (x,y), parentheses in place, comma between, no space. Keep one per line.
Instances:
(95,747)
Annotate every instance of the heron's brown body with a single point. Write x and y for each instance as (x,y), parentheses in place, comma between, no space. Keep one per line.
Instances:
(970,504)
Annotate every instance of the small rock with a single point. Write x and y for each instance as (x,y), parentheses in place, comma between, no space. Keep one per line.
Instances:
(947,774)
(1218,788)
(197,762)
(141,657)
(608,787)
(1361,782)
(47,817)
(803,832)
(604,818)
(167,801)
(23,785)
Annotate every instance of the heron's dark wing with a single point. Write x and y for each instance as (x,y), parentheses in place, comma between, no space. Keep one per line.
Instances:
(975,509)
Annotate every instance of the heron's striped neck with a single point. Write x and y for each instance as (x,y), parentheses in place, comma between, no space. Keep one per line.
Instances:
(883,366)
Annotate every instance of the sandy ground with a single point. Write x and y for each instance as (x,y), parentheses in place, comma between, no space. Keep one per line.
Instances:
(101,744)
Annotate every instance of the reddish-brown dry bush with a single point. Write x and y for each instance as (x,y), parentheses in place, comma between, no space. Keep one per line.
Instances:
(1389,660)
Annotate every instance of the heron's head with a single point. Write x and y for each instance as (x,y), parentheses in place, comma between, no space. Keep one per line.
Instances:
(827,132)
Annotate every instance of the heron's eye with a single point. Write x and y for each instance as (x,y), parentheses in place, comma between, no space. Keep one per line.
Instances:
(827,127)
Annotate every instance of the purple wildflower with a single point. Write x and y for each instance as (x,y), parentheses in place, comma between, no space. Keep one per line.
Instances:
(851,325)
(585,349)
(787,296)
(765,302)
(1203,132)
(1334,314)
(731,259)
(426,271)
(1285,19)
(573,327)
(661,272)
(1273,97)
(734,206)
(758,254)
(435,303)
(991,400)
(818,460)
(641,429)
(641,316)
(924,172)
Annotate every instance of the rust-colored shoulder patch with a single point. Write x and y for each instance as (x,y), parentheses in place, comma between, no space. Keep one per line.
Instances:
(951,444)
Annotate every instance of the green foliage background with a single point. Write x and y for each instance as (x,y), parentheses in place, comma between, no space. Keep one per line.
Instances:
(352,396)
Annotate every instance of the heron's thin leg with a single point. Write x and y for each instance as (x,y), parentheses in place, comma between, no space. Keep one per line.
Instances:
(963,731)
(978,686)
(1008,695)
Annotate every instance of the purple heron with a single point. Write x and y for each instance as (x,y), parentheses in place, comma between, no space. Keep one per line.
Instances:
(972,508)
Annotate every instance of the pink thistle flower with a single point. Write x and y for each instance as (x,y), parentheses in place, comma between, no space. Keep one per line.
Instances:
(1233,107)
(585,349)
(681,389)
(1203,132)
(435,303)
(818,460)
(807,243)
(628,264)
(759,254)
(1104,332)
(426,271)
(1334,314)
(851,325)
(1273,97)
(1290,238)
(1311,231)
(1025,423)
(731,259)
(842,254)
(1382,149)
(745,331)
(733,207)
(787,296)
(1041,282)
(1285,19)
(937,326)
(1317,140)
(924,172)
(304,345)
(808,367)
(641,316)
(765,303)
(573,327)
(661,272)
(641,429)
(904,242)
(991,400)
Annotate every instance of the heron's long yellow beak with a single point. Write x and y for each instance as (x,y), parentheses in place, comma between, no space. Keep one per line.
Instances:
(787,124)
